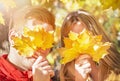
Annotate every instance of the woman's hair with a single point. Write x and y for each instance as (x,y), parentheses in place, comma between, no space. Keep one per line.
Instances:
(112,60)
(67,72)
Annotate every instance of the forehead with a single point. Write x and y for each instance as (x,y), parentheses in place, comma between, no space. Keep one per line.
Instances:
(78,27)
(31,23)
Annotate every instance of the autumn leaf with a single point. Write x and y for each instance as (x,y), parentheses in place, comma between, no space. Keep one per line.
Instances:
(23,47)
(68,45)
(68,54)
(2,19)
(83,43)
(32,40)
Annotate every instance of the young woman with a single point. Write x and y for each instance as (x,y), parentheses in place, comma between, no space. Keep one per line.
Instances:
(79,69)
(84,68)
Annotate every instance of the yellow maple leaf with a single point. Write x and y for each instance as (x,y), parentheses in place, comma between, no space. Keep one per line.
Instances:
(83,43)
(23,47)
(68,45)
(68,55)
(32,40)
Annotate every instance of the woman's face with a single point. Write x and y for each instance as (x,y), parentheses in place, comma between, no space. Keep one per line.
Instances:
(82,59)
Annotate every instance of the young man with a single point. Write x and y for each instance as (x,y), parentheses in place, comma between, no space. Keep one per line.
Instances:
(14,67)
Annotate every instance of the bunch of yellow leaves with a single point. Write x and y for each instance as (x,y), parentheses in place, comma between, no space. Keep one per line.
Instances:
(32,40)
(83,43)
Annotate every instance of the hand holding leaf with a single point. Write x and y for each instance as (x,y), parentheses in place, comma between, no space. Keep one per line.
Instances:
(33,40)
(83,43)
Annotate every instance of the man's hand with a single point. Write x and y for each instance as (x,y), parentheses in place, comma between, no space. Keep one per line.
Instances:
(41,70)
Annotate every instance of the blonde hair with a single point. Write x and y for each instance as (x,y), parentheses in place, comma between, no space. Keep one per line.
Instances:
(110,61)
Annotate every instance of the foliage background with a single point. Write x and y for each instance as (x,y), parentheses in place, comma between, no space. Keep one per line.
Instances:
(106,11)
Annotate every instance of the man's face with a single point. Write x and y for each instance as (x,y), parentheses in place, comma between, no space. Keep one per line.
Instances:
(31,23)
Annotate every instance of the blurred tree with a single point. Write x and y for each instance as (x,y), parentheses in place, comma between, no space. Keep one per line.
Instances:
(7,7)
(110,3)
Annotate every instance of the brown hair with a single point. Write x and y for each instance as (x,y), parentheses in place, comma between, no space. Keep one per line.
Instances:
(110,61)
(66,72)
(41,14)
(19,17)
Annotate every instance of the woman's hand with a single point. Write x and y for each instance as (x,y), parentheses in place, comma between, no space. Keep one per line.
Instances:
(82,67)
(41,70)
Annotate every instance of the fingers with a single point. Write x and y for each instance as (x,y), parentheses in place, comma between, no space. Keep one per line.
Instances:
(43,66)
(35,65)
(83,65)
(83,70)
(51,72)
(87,71)
(47,68)
(44,63)
(38,60)
(84,61)
(86,65)
(82,58)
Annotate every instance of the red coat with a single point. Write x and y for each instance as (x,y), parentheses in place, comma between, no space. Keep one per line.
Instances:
(9,73)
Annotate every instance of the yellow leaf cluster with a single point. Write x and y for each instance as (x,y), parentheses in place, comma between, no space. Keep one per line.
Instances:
(83,43)
(33,40)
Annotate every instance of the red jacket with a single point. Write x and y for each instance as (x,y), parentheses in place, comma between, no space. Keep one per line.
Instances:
(9,73)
